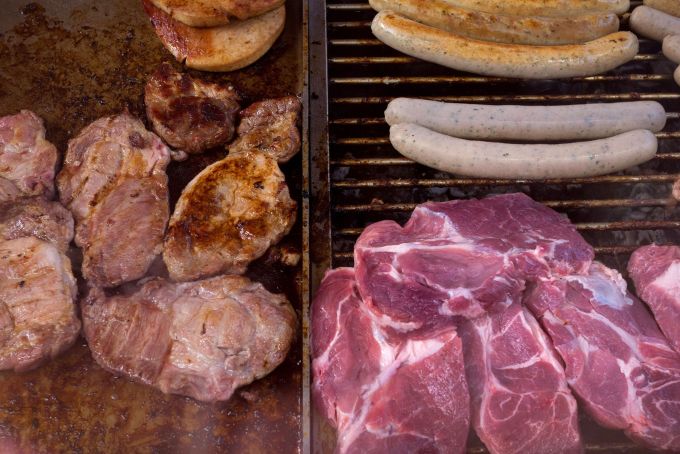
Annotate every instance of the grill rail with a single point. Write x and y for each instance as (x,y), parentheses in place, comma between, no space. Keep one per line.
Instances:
(358,178)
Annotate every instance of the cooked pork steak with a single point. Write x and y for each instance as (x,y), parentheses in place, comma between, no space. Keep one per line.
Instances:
(8,190)
(189,113)
(521,403)
(114,183)
(463,258)
(228,216)
(655,270)
(37,311)
(270,126)
(200,339)
(26,159)
(35,216)
(617,361)
(385,391)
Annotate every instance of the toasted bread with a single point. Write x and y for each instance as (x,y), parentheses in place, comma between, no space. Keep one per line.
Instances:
(212,13)
(225,48)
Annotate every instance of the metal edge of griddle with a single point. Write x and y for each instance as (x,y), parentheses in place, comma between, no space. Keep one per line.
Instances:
(319,171)
(306,275)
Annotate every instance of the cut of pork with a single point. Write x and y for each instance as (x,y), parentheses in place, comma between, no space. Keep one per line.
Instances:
(26,159)
(200,339)
(114,183)
(463,258)
(37,303)
(617,361)
(385,392)
(189,113)
(37,217)
(655,270)
(521,403)
(270,127)
(228,216)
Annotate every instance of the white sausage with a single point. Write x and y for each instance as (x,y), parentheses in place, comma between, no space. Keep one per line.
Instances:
(549,8)
(671,7)
(653,24)
(528,123)
(671,48)
(501,28)
(501,160)
(504,60)
(676,75)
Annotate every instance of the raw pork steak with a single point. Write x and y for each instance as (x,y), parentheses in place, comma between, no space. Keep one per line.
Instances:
(655,270)
(385,391)
(521,403)
(617,360)
(463,257)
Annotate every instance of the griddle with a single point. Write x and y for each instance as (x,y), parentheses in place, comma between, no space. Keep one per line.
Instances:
(358,178)
(72,62)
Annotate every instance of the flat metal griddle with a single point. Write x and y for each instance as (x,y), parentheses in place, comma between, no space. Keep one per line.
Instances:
(72,62)
(358,178)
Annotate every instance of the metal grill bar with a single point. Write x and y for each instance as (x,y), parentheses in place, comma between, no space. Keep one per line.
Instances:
(520,98)
(363,60)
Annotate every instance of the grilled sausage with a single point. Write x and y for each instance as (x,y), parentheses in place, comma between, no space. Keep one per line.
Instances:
(671,7)
(671,48)
(676,75)
(528,123)
(653,24)
(505,60)
(501,28)
(549,8)
(500,160)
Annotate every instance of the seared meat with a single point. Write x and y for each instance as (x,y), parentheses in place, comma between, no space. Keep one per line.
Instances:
(26,159)
(270,126)
(114,183)
(8,190)
(200,339)
(35,216)
(210,13)
(188,113)
(228,216)
(37,311)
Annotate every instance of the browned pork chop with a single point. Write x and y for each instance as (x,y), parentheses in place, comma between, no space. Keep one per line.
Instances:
(35,216)
(189,113)
(37,311)
(270,126)
(114,183)
(200,339)
(228,216)
(27,160)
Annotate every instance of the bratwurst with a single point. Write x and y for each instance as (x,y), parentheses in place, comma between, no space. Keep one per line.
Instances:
(503,60)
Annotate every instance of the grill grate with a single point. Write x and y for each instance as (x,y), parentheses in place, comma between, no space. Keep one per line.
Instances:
(360,179)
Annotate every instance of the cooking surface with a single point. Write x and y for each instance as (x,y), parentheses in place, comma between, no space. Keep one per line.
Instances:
(73,62)
(358,178)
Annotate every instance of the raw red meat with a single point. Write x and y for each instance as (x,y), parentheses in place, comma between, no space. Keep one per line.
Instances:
(385,391)
(463,257)
(521,402)
(655,270)
(617,360)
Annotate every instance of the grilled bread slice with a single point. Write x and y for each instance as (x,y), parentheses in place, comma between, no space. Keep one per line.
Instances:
(225,48)
(212,13)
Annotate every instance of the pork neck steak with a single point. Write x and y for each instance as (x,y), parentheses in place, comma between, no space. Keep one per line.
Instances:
(27,161)
(189,113)
(383,390)
(617,361)
(37,303)
(114,183)
(521,403)
(37,217)
(200,339)
(655,270)
(463,258)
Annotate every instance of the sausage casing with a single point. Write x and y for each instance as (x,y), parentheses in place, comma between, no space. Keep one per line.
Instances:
(653,24)
(504,60)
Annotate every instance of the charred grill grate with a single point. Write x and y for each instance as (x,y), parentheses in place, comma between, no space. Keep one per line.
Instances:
(358,178)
